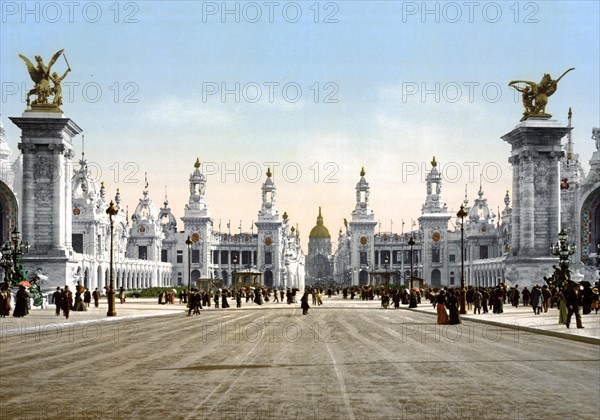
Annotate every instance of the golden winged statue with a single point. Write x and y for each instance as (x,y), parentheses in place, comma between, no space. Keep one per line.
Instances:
(41,76)
(535,95)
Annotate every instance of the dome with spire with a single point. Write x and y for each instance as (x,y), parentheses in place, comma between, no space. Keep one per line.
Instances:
(319,231)
(145,210)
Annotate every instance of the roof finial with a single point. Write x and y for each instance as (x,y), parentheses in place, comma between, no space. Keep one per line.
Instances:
(362,171)
(480,193)
(269,174)
(197,164)
(433,162)
(569,139)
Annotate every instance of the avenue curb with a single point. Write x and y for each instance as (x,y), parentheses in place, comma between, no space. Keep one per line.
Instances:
(573,337)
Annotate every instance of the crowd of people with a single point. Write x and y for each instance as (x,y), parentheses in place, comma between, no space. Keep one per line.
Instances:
(568,299)
(62,298)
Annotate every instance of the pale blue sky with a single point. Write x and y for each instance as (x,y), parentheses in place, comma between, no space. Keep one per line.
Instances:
(368,61)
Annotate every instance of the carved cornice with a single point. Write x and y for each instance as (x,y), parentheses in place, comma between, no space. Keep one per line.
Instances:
(42,127)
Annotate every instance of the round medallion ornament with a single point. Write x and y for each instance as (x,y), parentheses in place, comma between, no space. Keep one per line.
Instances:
(385,238)
(246,238)
(396,238)
(483,229)
(364,240)
(142,229)
(76,211)
(436,236)
(195,237)
(268,241)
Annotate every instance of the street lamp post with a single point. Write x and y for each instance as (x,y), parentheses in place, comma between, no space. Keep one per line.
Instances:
(189,242)
(412,303)
(411,243)
(112,211)
(386,261)
(11,258)
(234,260)
(463,293)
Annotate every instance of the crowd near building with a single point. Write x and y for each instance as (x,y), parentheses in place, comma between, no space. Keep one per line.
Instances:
(492,254)
(69,229)
(61,212)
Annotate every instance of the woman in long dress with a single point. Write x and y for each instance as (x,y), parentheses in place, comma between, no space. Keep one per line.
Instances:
(453,308)
(562,308)
(442,315)
(21,302)
(224,303)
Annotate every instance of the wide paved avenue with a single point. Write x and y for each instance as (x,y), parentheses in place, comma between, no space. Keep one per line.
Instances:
(342,361)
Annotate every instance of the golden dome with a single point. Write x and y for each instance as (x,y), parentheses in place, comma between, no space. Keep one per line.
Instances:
(319,231)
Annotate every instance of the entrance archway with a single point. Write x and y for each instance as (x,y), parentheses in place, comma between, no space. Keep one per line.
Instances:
(9,211)
(269,278)
(590,224)
(436,277)
(363,278)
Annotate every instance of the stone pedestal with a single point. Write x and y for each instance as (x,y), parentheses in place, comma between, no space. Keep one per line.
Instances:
(535,158)
(46,201)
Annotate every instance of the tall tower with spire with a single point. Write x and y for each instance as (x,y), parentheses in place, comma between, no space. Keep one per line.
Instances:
(571,175)
(270,241)
(433,224)
(198,225)
(362,231)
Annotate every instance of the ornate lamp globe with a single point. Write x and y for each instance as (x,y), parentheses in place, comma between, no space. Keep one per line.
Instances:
(562,236)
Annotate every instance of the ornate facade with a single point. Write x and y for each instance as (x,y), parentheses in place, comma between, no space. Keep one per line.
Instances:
(551,190)
(64,219)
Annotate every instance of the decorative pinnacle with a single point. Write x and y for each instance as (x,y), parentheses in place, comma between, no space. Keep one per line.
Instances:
(197,164)
(433,162)
(285,216)
(269,174)
(570,113)
(362,171)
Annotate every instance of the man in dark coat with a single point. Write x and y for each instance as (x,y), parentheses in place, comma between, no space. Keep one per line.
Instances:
(65,301)
(573,299)
(56,298)
(87,297)
(304,303)
(96,296)
(536,299)
(546,295)
(525,294)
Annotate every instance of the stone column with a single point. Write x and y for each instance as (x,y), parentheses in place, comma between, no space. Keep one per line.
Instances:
(535,154)
(527,206)
(46,206)
(46,142)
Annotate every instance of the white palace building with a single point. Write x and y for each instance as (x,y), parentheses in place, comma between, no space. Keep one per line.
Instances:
(64,220)
(550,191)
